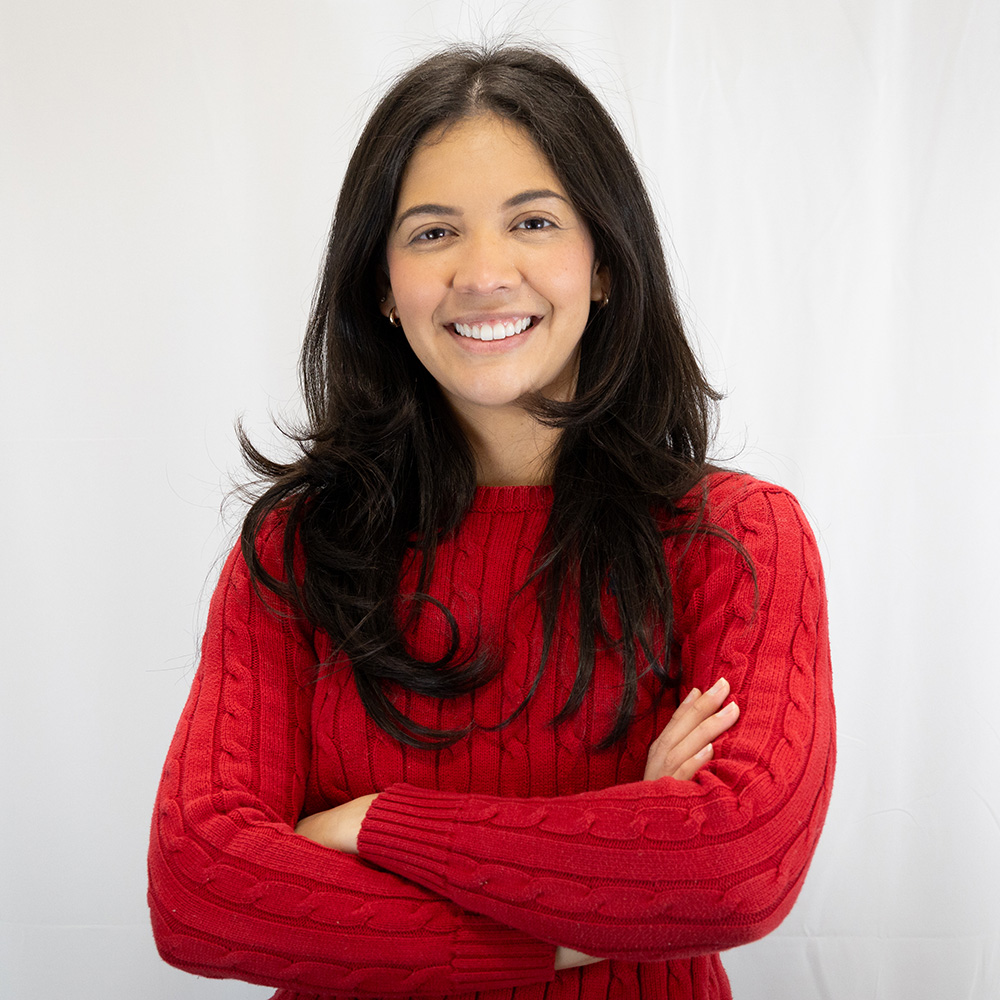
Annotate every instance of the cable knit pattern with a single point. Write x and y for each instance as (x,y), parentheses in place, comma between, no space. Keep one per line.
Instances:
(475,860)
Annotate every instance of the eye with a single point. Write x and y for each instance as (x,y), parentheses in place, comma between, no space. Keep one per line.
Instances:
(535,222)
(431,235)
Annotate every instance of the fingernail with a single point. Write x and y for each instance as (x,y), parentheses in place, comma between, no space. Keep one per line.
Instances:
(719,685)
(701,754)
(730,709)
(691,695)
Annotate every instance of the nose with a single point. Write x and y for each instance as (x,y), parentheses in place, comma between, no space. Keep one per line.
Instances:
(486,263)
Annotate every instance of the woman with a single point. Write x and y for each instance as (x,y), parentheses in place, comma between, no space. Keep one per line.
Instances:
(459,724)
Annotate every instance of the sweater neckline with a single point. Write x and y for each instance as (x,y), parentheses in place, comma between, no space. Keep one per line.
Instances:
(498,499)
(494,499)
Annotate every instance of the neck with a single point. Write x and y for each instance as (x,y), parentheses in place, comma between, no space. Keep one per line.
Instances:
(511,448)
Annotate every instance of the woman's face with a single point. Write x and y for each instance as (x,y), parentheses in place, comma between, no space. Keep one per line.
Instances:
(491,269)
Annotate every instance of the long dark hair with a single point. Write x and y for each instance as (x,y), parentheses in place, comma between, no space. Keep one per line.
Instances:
(383,462)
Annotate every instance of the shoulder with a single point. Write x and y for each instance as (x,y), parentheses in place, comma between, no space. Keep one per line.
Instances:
(752,563)
(254,594)
(269,532)
(730,497)
(745,521)
(254,572)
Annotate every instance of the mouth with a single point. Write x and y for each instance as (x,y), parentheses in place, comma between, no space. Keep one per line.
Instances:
(497,330)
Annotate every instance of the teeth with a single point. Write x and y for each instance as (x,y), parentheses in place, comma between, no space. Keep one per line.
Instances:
(494,331)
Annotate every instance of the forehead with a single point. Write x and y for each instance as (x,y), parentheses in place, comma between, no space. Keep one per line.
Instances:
(483,154)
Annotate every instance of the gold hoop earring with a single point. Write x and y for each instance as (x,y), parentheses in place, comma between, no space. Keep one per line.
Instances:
(394,317)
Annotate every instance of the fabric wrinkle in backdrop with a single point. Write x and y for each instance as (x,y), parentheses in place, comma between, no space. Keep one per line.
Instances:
(826,174)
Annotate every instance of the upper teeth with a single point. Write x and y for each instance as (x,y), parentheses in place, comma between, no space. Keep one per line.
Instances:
(493,331)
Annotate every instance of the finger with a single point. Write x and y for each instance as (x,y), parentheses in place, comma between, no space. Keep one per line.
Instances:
(703,736)
(697,707)
(668,755)
(694,764)
(691,712)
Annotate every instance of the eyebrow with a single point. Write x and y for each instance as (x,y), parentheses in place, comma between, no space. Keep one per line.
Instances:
(522,198)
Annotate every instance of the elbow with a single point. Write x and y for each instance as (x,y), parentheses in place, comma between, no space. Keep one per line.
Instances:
(174,946)
(700,921)
(750,903)
(194,929)
(753,886)
(192,934)
(179,925)
(746,906)
(738,897)
(175,942)
(754,910)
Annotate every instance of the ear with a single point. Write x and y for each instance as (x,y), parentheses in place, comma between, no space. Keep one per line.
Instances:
(386,302)
(600,285)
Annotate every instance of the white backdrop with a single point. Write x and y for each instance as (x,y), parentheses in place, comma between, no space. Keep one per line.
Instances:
(828,174)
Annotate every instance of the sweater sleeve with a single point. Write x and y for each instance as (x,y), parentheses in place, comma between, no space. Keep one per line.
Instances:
(235,893)
(665,869)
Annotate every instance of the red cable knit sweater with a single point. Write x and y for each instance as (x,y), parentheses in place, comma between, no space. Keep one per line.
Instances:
(476,859)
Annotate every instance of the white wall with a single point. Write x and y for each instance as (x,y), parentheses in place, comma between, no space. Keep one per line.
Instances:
(828,175)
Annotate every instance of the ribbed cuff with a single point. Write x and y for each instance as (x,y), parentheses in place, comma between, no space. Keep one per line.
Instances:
(408,831)
(490,956)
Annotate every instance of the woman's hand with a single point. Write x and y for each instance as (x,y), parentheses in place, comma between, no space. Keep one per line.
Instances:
(685,744)
(568,958)
(337,828)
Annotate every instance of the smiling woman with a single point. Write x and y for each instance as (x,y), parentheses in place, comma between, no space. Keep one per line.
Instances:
(466,717)
(492,275)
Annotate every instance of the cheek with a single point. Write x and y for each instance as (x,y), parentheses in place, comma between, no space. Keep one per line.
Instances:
(412,285)
(576,276)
